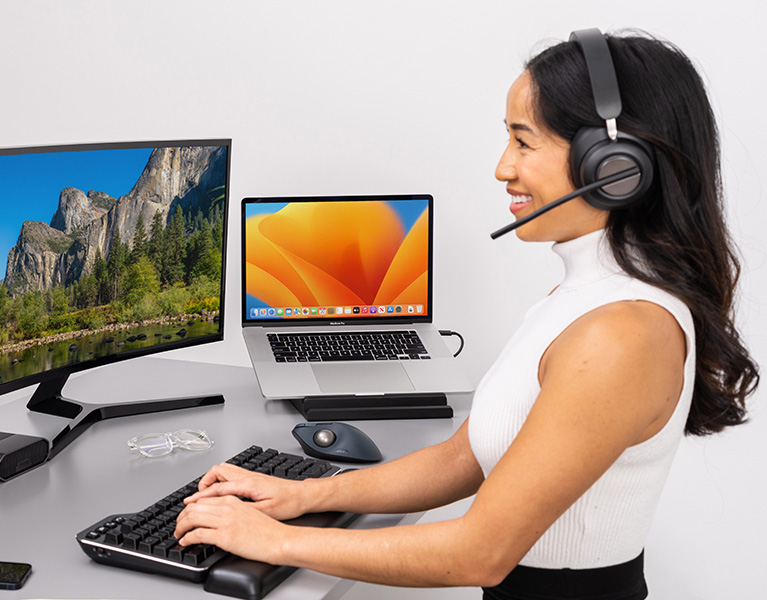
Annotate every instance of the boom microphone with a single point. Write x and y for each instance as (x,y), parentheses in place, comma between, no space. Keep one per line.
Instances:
(614,178)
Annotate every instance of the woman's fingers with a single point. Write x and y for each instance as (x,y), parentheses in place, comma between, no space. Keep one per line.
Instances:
(222,472)
(207,513)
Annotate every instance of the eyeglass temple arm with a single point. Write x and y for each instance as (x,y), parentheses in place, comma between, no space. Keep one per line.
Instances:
(48,400)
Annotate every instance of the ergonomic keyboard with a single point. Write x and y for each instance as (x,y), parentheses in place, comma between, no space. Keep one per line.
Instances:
(144,541)
(338,346)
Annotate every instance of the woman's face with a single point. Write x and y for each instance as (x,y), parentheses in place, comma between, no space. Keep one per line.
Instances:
(536,171)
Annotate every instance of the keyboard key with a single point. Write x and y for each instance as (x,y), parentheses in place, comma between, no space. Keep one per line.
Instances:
(128,525)
(326,358)
(163,548)
(314,471)
(113,536)
(194,555)
(130,541)
(176,553)
(163,505)
(148,543)
(169,515)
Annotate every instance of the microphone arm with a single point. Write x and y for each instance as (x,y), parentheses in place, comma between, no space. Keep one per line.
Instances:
(614,178)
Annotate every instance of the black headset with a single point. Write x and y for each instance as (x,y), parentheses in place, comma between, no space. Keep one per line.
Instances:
(598,152)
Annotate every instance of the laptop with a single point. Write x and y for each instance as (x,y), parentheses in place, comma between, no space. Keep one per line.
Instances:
(341,269)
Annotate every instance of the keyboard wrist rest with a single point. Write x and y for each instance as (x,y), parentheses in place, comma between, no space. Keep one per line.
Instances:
(241,578)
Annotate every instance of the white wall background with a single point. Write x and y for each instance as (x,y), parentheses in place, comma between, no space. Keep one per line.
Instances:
(350,96)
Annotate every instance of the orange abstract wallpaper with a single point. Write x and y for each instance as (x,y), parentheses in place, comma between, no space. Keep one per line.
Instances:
(332,254)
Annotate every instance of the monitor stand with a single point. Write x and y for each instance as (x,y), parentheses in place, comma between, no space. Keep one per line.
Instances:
(48,400)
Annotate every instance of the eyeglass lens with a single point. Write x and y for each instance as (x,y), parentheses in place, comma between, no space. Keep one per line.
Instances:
(160,444)
(191,439)
(154,445)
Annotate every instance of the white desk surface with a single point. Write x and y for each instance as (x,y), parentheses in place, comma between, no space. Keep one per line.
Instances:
(97,475)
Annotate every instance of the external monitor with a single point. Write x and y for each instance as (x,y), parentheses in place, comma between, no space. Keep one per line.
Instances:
(109,252)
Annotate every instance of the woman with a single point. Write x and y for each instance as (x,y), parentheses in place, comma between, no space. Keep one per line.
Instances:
(573,430)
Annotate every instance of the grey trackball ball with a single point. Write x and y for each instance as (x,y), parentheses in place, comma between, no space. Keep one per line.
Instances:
(324,438)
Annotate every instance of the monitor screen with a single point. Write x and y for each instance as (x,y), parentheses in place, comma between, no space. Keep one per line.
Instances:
(109,251)
(345,257)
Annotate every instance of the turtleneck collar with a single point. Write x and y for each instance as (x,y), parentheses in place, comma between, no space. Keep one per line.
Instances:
(587,259)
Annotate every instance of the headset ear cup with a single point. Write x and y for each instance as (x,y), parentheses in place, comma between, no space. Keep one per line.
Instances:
(593,156)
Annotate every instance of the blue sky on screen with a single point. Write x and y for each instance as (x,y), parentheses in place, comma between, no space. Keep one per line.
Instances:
(30,184)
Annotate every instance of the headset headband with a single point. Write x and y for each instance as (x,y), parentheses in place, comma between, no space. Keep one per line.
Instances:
(604,83)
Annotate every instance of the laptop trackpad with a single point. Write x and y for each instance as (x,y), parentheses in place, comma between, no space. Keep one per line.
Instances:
(362,378)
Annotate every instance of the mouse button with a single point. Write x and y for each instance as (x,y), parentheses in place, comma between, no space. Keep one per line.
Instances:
(345,429)
(304,438)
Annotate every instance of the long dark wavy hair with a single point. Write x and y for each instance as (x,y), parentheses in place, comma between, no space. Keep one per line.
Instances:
(676,237)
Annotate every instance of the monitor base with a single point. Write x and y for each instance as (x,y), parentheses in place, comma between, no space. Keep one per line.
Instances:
(48,400)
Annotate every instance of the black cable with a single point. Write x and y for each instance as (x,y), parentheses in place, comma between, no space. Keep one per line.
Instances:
(447,332)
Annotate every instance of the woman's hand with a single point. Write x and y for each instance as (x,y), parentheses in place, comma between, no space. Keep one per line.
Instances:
(229,523)
(279,498)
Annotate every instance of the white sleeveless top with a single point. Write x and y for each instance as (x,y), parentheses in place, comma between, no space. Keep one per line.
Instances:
(608,525)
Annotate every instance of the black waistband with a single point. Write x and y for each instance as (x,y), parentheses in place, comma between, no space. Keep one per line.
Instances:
(617,582)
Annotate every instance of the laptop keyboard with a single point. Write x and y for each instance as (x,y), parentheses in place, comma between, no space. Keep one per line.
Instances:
(345,346)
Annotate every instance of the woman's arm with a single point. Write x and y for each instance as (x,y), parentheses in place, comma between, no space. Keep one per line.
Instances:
(423,480)
(606,383)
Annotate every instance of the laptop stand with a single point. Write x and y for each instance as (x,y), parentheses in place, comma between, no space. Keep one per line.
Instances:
(384,406)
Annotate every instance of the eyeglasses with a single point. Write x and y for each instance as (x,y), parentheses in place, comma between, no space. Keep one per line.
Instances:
(152,445)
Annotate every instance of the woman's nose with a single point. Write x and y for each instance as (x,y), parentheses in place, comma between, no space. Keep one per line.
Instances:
(506,170)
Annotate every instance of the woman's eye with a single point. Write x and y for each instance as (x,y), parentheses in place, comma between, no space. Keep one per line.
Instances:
(521,143)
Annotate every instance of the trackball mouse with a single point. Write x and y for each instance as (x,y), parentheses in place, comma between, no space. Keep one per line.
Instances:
(336,441)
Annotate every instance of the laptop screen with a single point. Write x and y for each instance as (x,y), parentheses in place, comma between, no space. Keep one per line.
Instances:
(340,258)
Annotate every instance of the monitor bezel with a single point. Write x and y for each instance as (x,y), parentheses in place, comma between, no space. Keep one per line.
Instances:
(335,320)
(62,372)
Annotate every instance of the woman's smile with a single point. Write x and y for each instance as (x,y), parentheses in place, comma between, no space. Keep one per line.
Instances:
(519,201)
